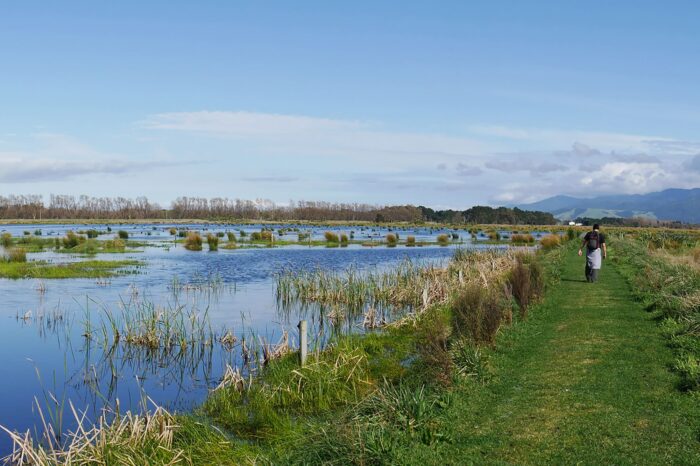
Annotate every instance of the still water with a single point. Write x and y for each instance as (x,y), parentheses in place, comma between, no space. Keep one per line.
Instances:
(48,359)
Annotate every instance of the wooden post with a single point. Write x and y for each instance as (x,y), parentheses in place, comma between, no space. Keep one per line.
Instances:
(303,344)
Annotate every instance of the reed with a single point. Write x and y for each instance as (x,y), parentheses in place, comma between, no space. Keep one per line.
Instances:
(391,240)
(443,239)
(410,241)
(114,438)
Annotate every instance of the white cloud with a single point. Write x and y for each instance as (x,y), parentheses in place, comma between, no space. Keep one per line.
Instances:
(246,124)
(551,138)
(298,134)
(48,157)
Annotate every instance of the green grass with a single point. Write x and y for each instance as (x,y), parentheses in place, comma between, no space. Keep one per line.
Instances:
(83,269)
(584,380)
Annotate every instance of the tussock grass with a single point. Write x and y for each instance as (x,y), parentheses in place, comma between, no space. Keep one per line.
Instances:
(213,242)
(331,237)
(16,255)
(193,242)
(522,238)
(6,240)
(550,242)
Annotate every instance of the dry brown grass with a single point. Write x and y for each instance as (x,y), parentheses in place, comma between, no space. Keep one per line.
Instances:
(114,439)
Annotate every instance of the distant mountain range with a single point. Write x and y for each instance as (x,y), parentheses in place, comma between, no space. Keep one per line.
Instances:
(672,204)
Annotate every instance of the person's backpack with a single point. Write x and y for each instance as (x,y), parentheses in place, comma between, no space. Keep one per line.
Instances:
(593,240)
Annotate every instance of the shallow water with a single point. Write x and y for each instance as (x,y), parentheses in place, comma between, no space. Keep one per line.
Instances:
(45,352)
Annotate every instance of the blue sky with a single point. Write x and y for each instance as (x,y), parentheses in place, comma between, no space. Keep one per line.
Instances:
(447,104)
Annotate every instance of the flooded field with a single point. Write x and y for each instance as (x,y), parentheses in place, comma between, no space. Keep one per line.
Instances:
(167,327)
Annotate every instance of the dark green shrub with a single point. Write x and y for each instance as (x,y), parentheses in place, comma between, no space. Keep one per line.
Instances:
(123,234)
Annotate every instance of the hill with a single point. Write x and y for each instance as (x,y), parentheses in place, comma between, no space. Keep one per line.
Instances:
(671,204)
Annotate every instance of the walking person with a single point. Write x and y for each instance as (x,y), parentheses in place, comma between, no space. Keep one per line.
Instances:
(596,251)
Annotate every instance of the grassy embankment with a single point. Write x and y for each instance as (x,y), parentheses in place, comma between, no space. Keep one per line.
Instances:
(583,377)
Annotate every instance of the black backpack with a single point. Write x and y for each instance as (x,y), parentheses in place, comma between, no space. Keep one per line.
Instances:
(593,240)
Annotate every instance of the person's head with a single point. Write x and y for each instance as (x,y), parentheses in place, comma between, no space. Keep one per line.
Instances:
(596,227)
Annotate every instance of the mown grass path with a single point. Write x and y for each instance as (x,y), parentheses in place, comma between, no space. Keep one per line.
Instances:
(585,381)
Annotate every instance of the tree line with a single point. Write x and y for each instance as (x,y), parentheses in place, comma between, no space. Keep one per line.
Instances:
(33,207)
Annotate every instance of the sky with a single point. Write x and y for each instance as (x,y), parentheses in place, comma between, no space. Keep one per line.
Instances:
(441,103)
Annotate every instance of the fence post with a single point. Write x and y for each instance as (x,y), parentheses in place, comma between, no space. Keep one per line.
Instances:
(303,344)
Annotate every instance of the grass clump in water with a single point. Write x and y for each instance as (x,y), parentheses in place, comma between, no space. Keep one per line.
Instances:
(16,255)
(6,240)
(213,242)
(193,242)
(331,237)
